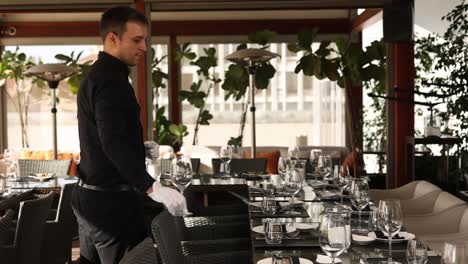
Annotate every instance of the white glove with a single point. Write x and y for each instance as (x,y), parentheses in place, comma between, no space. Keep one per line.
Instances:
(151,149)
(172,199)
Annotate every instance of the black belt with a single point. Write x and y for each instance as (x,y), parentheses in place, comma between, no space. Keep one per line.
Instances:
(113,188)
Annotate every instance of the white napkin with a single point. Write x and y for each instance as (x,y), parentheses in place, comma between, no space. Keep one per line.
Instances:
(309,193)
(326,259)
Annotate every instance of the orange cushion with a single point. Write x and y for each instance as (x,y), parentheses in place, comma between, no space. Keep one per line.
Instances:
(272,158)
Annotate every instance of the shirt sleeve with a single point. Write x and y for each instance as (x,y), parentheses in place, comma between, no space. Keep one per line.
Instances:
(119,130)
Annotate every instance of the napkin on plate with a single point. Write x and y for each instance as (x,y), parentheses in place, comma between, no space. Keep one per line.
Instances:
(326,259)
(381,235)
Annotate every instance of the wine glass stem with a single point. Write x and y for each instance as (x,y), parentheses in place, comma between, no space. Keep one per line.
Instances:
(333,259)
(342,193)
(390,260)
(359,225)
(292,205)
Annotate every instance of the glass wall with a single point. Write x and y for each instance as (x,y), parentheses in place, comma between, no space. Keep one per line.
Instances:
(293,104)
(37,102)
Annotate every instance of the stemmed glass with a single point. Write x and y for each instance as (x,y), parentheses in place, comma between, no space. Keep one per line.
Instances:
(292,185)
(225,154)
(283,166)
(333,238)
(293,152)
(341,178)
(314,160)
(416,252)
(390,220)
(360,198)
(181,175)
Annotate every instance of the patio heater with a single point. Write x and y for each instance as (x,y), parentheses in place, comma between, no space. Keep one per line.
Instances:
(53,74)
(251,58)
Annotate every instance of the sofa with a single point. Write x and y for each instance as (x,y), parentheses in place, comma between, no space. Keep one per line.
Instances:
(207,153)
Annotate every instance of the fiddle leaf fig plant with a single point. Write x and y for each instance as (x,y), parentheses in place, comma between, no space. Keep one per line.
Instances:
(197,95)
(72,60)
(344,62)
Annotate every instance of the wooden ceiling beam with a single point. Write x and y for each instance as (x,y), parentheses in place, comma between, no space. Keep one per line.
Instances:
(366,19)
(171,28)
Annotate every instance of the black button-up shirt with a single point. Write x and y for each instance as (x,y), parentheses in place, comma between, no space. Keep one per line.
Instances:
(111,136)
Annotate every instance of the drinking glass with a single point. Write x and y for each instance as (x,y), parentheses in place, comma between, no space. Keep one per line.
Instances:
(416,252)
(293,152)
(454,252)
(273,231)
(225,154)
(181,175)
(332,235)
(390,219)
(346,214)
(292,185)
(269,204)
(341,178)
(360,199)
(314,160)
(283,166)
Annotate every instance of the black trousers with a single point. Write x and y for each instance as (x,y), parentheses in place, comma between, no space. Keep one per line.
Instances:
(110,224)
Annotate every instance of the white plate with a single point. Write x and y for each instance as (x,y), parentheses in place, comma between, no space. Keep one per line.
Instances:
(260,229)
(269,260)
(407,236)
(43,176)
(306,226)
(362,240)
(296,202)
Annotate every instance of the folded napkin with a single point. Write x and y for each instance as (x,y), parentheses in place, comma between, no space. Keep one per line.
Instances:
(326,259)
(381,235)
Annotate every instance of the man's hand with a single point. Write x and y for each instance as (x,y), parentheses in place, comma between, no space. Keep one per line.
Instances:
(151,149)
(172,199)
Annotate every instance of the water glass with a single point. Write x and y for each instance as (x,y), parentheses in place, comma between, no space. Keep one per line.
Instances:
(360,199)
(300,167)
(292,185)
(372,221)
(273,231)
(416,252)
(269,205)
(293,152)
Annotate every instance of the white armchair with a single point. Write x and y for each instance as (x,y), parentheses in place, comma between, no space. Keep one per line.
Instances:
(430,203)
(411,190)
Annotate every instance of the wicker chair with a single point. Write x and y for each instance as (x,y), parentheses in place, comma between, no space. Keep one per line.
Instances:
(29,232)
(57,167)
(170,237)
(58,232)
(143,253)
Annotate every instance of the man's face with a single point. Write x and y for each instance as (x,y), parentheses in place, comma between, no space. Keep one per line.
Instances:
(131,46)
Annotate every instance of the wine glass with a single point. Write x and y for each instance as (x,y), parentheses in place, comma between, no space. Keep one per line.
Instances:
(341,178)
(293,152)
(390,220)
(314,160)
(225,154)
(292,185)
(416,252)
(360,199)
(332,235)
(181,175)
(283,166)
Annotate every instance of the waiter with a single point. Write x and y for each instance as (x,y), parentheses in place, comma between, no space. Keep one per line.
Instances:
(112,168)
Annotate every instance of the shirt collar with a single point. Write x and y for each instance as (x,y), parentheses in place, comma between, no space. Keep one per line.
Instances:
(113,62)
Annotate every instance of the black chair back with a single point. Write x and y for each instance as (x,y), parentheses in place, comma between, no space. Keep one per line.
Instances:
(195,165)
(29,230)
(58,232)
(240,166)
(167,236)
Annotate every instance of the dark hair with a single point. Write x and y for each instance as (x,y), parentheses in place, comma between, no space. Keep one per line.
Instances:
(114,20)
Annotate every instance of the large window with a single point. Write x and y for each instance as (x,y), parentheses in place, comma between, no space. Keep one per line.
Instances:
(39,118)
(293,104)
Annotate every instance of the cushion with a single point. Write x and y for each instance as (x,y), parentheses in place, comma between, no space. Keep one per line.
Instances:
(5,224)
(272,158)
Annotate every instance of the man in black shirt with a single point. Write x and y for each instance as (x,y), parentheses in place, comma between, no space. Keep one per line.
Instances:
(112,167)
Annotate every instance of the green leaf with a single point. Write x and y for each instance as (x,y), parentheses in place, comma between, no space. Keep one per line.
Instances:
(62,57)
(262,37)
(306,37)
(293,47)
(22,57)
(205,117)
(242,46)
